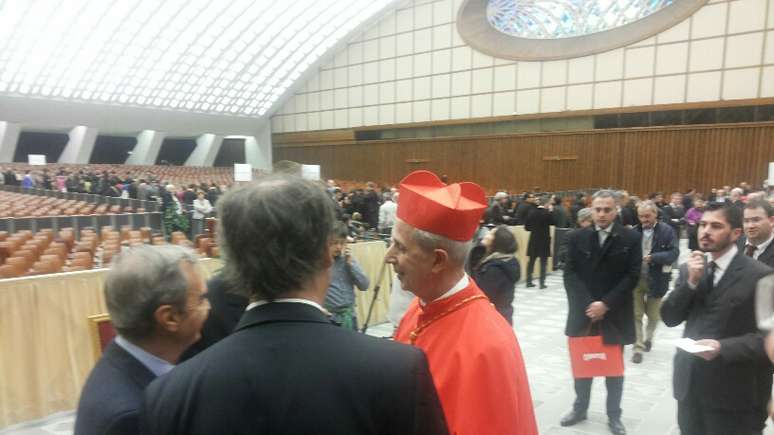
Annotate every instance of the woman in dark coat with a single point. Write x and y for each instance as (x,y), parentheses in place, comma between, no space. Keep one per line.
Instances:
(499,271)
(539,224)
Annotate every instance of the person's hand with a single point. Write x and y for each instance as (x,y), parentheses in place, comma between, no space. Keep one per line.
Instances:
(695,267)
(596,311)
(347,253)
(647,259)
(710,354)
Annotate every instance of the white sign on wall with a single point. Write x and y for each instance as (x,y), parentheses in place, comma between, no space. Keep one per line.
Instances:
(310,172)
(770,181)
(243,172)
(36,159)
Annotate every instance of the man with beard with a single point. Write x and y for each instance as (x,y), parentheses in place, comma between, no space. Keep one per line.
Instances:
(725,388)
(474,355)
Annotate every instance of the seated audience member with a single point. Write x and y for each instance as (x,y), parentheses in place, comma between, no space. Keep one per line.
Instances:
(156,299)
(287,369)
(499,271)
(346,274)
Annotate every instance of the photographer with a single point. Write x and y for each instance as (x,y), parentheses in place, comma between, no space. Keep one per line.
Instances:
(345,275)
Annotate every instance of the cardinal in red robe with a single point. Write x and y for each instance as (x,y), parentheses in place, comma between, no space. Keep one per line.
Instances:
(473,352)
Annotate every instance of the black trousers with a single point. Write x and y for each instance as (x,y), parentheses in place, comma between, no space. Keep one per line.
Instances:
(531,268)
(697,417)
(614,394)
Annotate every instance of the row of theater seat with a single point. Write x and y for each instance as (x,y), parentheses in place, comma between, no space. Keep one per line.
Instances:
(178,175)
(26,205)
(25,253)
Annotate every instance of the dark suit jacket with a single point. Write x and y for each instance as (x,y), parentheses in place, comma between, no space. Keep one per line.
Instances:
(111,398)
(538,224)
(740,377)
(766,257)
(287,370)
(608,274)
(674,216)
(664,252)
(497,278)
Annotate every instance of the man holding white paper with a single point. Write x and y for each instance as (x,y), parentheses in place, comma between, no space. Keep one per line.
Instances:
(723,390)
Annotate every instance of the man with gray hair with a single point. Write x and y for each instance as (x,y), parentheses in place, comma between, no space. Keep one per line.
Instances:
(472,350)
(286,369)
(156,299)
(601,270)
(660,248)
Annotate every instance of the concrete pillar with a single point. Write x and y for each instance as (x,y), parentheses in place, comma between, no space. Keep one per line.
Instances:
(207,147)
(80,146)
(9,137)
(258,149)
(147,148)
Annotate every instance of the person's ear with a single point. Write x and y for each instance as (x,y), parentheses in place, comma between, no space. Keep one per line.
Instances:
(736,233)
(168,318)
(440,260)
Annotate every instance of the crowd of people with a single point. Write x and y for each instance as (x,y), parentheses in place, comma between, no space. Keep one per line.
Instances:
(272,343)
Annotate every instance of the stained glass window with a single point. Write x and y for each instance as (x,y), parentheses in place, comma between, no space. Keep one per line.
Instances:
(550,19)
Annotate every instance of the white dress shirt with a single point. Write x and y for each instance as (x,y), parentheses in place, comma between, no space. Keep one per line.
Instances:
(290,301)
(760,248)
(722,263)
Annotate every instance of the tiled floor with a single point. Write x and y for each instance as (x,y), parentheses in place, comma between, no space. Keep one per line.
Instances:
(539,322)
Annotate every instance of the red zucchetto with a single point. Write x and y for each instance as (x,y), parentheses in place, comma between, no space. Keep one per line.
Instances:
(452,211)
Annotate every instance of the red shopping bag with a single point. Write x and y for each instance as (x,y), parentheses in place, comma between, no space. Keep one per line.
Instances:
(591,357)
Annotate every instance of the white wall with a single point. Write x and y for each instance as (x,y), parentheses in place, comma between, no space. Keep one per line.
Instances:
(414,67)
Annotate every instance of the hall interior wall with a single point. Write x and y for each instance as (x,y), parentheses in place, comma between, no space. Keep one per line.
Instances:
(641,160)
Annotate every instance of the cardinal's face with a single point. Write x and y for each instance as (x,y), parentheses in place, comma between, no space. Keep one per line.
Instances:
(412,264)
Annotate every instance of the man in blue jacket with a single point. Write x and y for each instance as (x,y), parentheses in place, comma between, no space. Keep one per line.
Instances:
(660,249)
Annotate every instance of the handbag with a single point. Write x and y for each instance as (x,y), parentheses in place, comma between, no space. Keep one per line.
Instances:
(591,357)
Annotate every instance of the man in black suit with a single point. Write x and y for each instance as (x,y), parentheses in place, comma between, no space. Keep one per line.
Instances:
(157,313)
(758,225)
(287,369)
(603,266)
(660,248)
(723,390)
(538,224)
(674,213)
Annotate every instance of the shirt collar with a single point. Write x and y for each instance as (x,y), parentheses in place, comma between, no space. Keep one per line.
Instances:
(604,230)
(762,247)
(461,285)
(723,262)
(156,365)
(291,301)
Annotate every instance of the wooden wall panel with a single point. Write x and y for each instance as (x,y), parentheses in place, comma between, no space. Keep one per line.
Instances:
(640,160)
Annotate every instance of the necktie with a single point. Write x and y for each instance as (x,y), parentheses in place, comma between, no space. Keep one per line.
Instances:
(602,237)
(711,268)
(750,250)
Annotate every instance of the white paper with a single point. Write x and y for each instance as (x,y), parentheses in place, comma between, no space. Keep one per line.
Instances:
(243,172)
(689,345)
(36,159)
